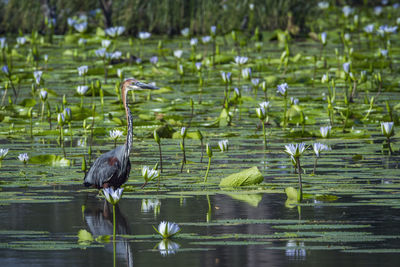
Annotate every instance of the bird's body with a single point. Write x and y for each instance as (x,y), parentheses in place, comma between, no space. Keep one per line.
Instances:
(113,167)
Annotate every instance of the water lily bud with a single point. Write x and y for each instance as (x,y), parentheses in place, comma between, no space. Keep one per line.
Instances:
(264,86)
(387,129)
(156,137)
(43,95)
(181,145)
(67,114)
(160,44)
(30,112)
(209,150)
(261,114)
(234,37)
(199,134)
(61,119)
(183,132)
(65,100)
(325,78)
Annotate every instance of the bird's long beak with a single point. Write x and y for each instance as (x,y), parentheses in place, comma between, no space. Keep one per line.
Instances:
(146,86)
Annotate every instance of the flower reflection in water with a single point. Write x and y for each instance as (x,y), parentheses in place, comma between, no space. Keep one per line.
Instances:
(168,247)
(151,204)
(99,220)
(295,250)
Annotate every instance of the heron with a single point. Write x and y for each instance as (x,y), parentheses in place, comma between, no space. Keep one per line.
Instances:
(112,168)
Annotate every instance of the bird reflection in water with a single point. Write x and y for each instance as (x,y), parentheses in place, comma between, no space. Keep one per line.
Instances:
(100,222)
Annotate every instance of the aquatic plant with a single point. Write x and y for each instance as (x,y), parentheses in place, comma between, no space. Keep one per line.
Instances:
(282,89)
(318,148)
(3,154)
(167,229)
(223,145)
(113,196)
(182,145)
(295,151)
(325,131)
(261,112)
(23,157)
(167,247)
(149,175)
(388,131)
(114,135)
(158,141)
(209,154)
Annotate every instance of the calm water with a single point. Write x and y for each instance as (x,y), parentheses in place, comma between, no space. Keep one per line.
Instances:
(63,220)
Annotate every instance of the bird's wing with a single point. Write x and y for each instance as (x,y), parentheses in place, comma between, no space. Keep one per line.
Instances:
(103,170)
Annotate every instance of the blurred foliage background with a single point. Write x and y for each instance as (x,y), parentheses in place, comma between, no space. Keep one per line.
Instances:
(158,16)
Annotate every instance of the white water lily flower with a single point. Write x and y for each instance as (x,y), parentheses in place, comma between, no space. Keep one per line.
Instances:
(282,89)
(185,32)
(223,145)
(325,78)
(384,52)
(37,75)
(226,77)
(178,53)
(114,55)
(294,101)
(206,39)
(3,43)
(325,131)
(255,81)
(46,58)
(81,27)
(167,229)
(295,150)
(346,67)
(113,197)
(149,174)
(323,5)
(101,52)
(213,30)
(43,95)
(167,247)
(154,60)
(23,157)
(115,31)
(3,153)
(119,73)
(21,40)
(241,60)
(318,147)
(82,41)
(105,43)
(387,129)
(71,22)
(144,35)
(115,134)
(246,73)
(82,89)
(323,38)
(347,11)
(264,105)
(198,65)
(194,41)
(369,28)
(378,10)
(82,70)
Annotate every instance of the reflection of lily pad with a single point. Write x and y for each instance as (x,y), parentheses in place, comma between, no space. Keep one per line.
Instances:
(52,160)
(251,199)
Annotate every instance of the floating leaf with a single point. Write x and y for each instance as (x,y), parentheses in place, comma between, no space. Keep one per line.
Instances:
(84,237)
(247,177)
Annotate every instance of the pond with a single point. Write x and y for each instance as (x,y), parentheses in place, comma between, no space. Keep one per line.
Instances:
(349,212)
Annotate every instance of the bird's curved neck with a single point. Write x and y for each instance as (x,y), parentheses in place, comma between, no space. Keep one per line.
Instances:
(129,119)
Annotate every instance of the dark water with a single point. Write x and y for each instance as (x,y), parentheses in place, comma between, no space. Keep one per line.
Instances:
(64,220)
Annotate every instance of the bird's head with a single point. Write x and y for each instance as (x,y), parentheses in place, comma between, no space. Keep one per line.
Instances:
(133,84)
